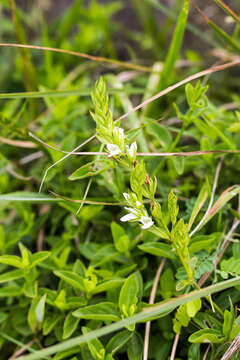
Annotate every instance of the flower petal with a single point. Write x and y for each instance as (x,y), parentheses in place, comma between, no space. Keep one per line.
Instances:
(146,221)
(113,150)
(126,196)
(128,217)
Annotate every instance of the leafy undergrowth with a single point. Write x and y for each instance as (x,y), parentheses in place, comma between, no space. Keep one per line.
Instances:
(127,246)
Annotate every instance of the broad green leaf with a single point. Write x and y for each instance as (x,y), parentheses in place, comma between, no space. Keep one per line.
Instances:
(71,278)
(206,336)
(40,309)
(104,311)
(167,284)
(107,285)
(158,249)
(117,341)
(11,275)
(228,322)
(50,322)
(12,260)
(93,168)
(70,325)
(231,266)
(103,255)
(135,347)
(178,163)
(38,257)
(95,346)
(193,307)
(148,313)
(67,353)
(128,296)
(160,132)
(121,240)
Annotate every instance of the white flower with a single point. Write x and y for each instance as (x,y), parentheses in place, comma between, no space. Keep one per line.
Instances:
(118,132)
(146,221)
(113,150)
(128,217)
(132,150)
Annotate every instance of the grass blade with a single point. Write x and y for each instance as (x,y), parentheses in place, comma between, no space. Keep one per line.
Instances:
(173,52)
(228,10)
(218,30)
(64,93)
(144,315)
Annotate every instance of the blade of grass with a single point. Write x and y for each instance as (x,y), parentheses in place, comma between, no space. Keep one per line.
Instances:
(168,12)
(173,52)
(218,30)
(63,93)
(144,315)
(228,10)
(82,55)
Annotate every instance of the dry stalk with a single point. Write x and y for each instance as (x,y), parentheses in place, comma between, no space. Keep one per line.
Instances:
(151,301)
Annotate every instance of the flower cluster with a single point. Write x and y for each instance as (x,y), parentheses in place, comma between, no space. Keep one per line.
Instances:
(118,146)
(137,212)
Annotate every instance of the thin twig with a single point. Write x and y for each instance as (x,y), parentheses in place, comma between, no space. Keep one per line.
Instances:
(206,352)
(151,301)
(211,199)
(174,348)
(21,350)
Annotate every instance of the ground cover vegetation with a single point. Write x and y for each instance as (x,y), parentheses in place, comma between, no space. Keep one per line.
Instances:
(119,180)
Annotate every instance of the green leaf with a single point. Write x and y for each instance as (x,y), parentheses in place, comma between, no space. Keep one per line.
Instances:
(158,249)
(160,132)
(103,255)
(71,278)
(138,177)
(12,260)
(202,196)
(39,257)
(154,311)
(107,285)
(206,336)
(228,322)
(193,307)
(51,320)
(8,291)
(167,284)
(93,168)
(11,275)
(173,207)
(135,347)
(121,240)
(118,341)
(70,325)
(128,296)
(95,346)
(104,311)
(231,266)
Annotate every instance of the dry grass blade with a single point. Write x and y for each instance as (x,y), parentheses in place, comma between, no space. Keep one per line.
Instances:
(18,143)
(233,348)
(151,301)
(82,55)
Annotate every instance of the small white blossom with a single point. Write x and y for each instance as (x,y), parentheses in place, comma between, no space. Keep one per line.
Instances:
(133,211)
(146,221)
(113,150)
(132,150)
(128,217)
